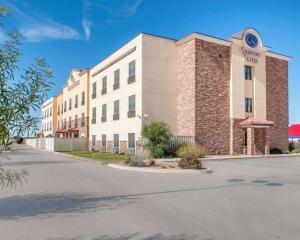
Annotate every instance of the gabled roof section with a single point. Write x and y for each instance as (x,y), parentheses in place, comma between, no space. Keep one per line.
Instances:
(238,35)
(196,35)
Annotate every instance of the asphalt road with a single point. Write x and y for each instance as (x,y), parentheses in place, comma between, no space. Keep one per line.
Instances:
(70,199)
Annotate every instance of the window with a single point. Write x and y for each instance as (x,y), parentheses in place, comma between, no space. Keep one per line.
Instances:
(131,143)
(131,72)
(104,85)
(93,141)
(131,106)
(116,115)
(76,121)
(248,105)
(116,79)
(62,108)
(70,104)
(50,126)
(94,91)
(103,118)
(248,72)
(62,124)
(70,122)
(76,101)
(82,98)
(58,110)
(94,115)
(47,112)
(82,120)
(65,123)
(103,143)
(116,143)
(50,111)
(65,106)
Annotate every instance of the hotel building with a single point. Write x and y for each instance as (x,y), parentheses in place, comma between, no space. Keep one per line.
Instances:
(228,95)
(73,105)
(49,118)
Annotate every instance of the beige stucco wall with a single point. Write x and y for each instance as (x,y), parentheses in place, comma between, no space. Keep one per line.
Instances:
(51,119)
(155,87)
(159,80)
(59,100)
(124,125)
(240,88)
(77,83)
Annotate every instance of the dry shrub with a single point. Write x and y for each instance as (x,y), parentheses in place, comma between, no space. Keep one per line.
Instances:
(190,155)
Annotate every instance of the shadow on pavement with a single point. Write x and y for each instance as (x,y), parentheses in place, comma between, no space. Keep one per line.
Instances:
(158,236)
(44,205)
(29,163)
(35,205)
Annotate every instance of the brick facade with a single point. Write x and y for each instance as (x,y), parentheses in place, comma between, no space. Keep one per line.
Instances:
(212,122)
(277,101)
(259,141)
(185,84)
(203,84)
(237,135)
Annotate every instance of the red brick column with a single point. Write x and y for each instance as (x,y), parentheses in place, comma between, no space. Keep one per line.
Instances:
(250,141)
(267,146)
(123,146)
(109,146)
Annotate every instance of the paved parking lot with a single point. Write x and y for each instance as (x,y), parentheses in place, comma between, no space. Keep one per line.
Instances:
(70,199)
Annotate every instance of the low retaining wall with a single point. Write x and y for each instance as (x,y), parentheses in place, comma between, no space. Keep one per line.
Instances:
(58,144)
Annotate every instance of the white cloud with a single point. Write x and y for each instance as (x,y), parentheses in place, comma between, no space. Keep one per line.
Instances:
(41,32)
(126,9)
(35,26)
(117,12)
(87,24)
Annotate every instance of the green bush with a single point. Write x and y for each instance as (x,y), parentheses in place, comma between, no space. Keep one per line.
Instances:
(292,146)
(157,138)
(275,151)
(173,149)
(190,155)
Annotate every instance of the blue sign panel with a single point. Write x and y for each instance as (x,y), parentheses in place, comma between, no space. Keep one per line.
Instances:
(251,40)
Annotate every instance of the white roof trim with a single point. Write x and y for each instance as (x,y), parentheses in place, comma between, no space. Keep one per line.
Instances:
(279,56)
(204,38)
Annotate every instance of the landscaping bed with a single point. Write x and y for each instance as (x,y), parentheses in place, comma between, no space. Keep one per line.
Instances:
(110,157)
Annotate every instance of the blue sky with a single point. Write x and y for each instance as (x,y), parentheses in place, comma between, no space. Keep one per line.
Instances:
(79,33)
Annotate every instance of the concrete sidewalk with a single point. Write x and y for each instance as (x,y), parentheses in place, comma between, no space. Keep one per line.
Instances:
(230,157)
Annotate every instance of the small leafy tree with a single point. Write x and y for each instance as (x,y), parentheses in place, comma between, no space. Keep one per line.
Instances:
(157,138)
(22,91)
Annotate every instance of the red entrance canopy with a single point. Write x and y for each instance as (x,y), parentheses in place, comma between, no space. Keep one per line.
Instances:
(256,122)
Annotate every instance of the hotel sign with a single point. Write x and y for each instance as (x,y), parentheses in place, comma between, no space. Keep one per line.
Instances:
(250,55)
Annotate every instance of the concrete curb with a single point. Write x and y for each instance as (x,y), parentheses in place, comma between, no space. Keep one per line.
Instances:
(80,158)
(141,169)
(243,157)
(228,157)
